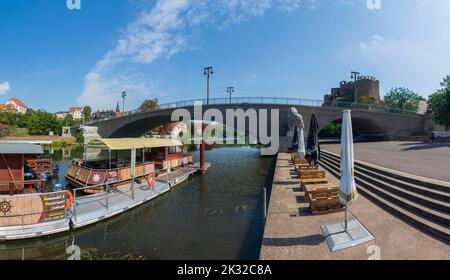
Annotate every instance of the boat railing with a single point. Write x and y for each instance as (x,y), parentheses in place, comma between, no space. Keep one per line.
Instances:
(15,186)
(83,175)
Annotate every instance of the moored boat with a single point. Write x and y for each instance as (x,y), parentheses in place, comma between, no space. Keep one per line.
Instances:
(129,160)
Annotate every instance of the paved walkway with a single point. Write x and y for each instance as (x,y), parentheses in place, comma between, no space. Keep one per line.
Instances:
(292,233)
(422,159)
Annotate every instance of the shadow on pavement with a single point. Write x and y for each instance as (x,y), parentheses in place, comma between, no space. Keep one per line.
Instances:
(424,146)
(311,240)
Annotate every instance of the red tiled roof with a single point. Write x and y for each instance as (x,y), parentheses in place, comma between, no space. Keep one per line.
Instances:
(74,109)
(18,102)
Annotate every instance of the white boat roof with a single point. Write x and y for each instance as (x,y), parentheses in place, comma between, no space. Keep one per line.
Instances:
(130,143)
(20,148)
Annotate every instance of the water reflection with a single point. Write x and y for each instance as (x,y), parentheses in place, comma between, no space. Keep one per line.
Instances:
(216,216)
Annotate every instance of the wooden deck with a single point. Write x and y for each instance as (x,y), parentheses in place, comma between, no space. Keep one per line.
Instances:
(93,208)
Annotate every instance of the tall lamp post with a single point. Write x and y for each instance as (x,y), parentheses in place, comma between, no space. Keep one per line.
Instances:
(230,91)
(124,94)
(355,76)
(208,71)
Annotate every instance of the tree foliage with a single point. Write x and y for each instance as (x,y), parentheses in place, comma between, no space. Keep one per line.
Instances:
(87,113)
(439,104)
(331,130)
(403,98)
(41,123)
(149,104)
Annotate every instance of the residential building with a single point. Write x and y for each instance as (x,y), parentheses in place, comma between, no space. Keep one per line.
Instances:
(14,105)
(61,115)
(76,112)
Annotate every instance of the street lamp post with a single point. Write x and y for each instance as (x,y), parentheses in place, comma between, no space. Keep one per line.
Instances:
(355,76)
(208,71)
(230,91)
(124,94)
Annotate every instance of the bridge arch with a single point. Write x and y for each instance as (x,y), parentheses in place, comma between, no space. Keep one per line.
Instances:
(390,125)
(363,128)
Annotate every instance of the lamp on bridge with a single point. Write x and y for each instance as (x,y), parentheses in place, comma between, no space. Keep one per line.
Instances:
(230,91)
(208,71)
(124,94)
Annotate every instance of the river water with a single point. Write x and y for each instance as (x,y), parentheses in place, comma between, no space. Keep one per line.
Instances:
(215,216)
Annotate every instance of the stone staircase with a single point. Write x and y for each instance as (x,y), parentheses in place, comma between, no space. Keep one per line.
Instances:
(422,202)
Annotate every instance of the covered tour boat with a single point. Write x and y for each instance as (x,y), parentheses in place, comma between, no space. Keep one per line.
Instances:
(18,166)
(121,161)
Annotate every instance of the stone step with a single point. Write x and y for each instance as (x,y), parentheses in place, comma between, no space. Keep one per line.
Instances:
(427,183)
(438,195)
(419,198)
(416,204)
(440,232)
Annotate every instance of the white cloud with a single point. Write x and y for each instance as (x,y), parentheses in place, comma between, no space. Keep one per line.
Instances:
(375,42)
(4,87)
(162,31)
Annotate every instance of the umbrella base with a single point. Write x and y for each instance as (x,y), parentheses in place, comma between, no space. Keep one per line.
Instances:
(339,239)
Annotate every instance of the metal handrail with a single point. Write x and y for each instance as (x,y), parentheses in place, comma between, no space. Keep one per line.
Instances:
(260,100)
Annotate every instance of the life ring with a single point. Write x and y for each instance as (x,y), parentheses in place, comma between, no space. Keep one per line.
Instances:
(70,200)
(151,180)
(32,165)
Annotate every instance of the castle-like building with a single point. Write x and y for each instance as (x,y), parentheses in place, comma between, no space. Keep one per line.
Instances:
(366,86)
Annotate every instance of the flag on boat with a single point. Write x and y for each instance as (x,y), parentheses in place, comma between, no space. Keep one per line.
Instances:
(312,144)
(348,192)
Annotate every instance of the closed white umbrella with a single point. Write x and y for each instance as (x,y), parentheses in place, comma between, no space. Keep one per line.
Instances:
(301,143)
(341,236)
(348,193)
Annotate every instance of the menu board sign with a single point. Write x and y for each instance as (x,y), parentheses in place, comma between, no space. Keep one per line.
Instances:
(54,207)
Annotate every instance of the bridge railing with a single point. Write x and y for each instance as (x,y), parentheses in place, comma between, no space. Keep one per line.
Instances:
(263,100)
(371,107)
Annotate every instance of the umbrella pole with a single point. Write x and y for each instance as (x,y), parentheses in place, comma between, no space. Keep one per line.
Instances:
(345,223)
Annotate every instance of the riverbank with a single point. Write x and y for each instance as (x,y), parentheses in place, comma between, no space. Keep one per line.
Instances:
(292,233)
(54,141)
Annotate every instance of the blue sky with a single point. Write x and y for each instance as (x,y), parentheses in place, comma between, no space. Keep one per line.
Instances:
(53,58)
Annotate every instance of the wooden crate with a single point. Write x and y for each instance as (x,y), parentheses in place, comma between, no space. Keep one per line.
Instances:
(311,181)
(325,206)
(305,167)
(299,161)
(321,190)
(323,199)
(311,174)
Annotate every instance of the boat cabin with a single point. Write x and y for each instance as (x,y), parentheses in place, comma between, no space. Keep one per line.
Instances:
(148,156)
(16,177)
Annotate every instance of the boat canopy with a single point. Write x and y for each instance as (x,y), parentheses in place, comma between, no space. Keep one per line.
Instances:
(130,143)
(20,148)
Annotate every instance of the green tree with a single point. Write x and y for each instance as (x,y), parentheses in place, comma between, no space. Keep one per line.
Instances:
(403,98)
(150,104)
(41,123)
(87,113)
(439,104)
(331,130)
(366,99)
(80,137)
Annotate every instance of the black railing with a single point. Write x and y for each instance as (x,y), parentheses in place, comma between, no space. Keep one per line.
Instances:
(262,100)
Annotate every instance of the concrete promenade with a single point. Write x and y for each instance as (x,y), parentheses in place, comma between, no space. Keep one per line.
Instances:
(292,233)
(423,159)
